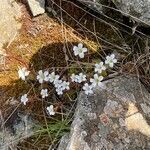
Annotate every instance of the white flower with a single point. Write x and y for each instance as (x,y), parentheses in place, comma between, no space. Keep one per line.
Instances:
(57,83)
(65,85)
(44,93)
(23,72)
(50,110)
(88,89)
(79,50)
(24,99)
(81,77)
(53,77)
(111,60)
(42,76)
(97,80)
(74,78)
(99,67)
(61,86)
(59,91)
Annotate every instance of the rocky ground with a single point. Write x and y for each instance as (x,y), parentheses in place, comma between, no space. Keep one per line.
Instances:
(116,117)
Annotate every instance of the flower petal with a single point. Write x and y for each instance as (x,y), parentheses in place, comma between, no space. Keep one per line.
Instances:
(112,56)
(81,55)
(111,65)
(115,60)
(75,48)
(84,50)
(80,45)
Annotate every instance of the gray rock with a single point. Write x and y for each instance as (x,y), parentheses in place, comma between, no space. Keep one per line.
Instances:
(17,128)
(63,142)
(139,9)
(94,4)
(37,7)
(114,118)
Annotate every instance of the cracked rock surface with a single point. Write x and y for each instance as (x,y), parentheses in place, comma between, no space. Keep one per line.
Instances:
(137,8)
(94,4)
(114,118)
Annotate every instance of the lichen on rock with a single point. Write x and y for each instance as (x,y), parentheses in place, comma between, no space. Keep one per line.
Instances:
(139,10)
(118,120)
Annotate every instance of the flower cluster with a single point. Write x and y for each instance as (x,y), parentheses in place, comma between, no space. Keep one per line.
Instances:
(61,85)
(98,78)
(53,78)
